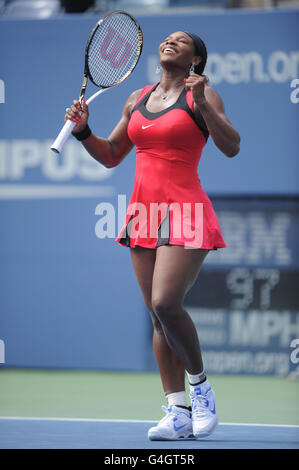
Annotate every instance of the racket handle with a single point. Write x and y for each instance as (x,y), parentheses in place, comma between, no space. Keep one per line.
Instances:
(69,126)
(63,136)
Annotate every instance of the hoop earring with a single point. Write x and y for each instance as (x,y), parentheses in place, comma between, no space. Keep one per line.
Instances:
(191,69)
(158,69)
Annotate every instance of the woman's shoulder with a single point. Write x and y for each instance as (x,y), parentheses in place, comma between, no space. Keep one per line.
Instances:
(137,95)
(132,100)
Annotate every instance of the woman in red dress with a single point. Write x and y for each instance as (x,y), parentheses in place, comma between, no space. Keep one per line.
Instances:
(169,213)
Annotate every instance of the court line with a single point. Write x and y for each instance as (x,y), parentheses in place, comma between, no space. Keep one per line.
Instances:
(103,420)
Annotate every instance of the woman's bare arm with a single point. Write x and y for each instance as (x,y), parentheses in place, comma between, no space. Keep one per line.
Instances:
(209,106)
(111,151)
(224,135)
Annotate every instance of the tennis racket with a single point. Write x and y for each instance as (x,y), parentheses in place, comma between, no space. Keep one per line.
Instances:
(111,54)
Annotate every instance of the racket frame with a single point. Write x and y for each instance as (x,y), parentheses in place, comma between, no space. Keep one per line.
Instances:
(87,73)
(69,125)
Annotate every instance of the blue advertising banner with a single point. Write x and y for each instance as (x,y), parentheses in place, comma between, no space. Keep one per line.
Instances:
(69,297)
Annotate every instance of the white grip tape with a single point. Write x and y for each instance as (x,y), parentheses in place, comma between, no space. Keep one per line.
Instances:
(63,136)
(69,126)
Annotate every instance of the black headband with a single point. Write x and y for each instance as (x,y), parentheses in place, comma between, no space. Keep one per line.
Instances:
(201,50)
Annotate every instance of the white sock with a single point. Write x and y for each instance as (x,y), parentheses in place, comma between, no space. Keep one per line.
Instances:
(195,379)
(177,399)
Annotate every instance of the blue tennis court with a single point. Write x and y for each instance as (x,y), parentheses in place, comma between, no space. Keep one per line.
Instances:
(51,433)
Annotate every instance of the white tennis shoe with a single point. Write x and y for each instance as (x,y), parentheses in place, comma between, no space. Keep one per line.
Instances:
(175,425)
(204,418)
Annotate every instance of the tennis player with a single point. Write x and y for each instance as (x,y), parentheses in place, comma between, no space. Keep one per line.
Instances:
(170,225)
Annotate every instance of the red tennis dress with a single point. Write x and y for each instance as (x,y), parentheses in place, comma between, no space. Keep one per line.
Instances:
(168,205)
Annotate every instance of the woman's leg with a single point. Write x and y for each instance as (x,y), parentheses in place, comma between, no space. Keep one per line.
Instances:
(165,275)
(175,271)
(144,260)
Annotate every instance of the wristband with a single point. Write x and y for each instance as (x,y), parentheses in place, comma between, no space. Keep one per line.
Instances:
(82,135)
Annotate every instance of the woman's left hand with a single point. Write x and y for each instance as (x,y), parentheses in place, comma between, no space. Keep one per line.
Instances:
(196,84)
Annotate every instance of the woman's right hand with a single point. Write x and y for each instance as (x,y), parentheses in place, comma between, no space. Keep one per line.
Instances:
(74,113)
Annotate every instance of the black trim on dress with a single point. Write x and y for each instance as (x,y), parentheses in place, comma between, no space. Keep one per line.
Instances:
(181,103)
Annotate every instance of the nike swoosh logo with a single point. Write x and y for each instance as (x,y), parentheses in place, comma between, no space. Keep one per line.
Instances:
(208,404)
(145,127)
(177,428)
(212,410)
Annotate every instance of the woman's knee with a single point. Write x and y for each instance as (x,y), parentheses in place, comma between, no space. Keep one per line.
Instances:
(165,307)
(156,322)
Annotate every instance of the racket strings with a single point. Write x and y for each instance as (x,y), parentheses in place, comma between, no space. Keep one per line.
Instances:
(114,50)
